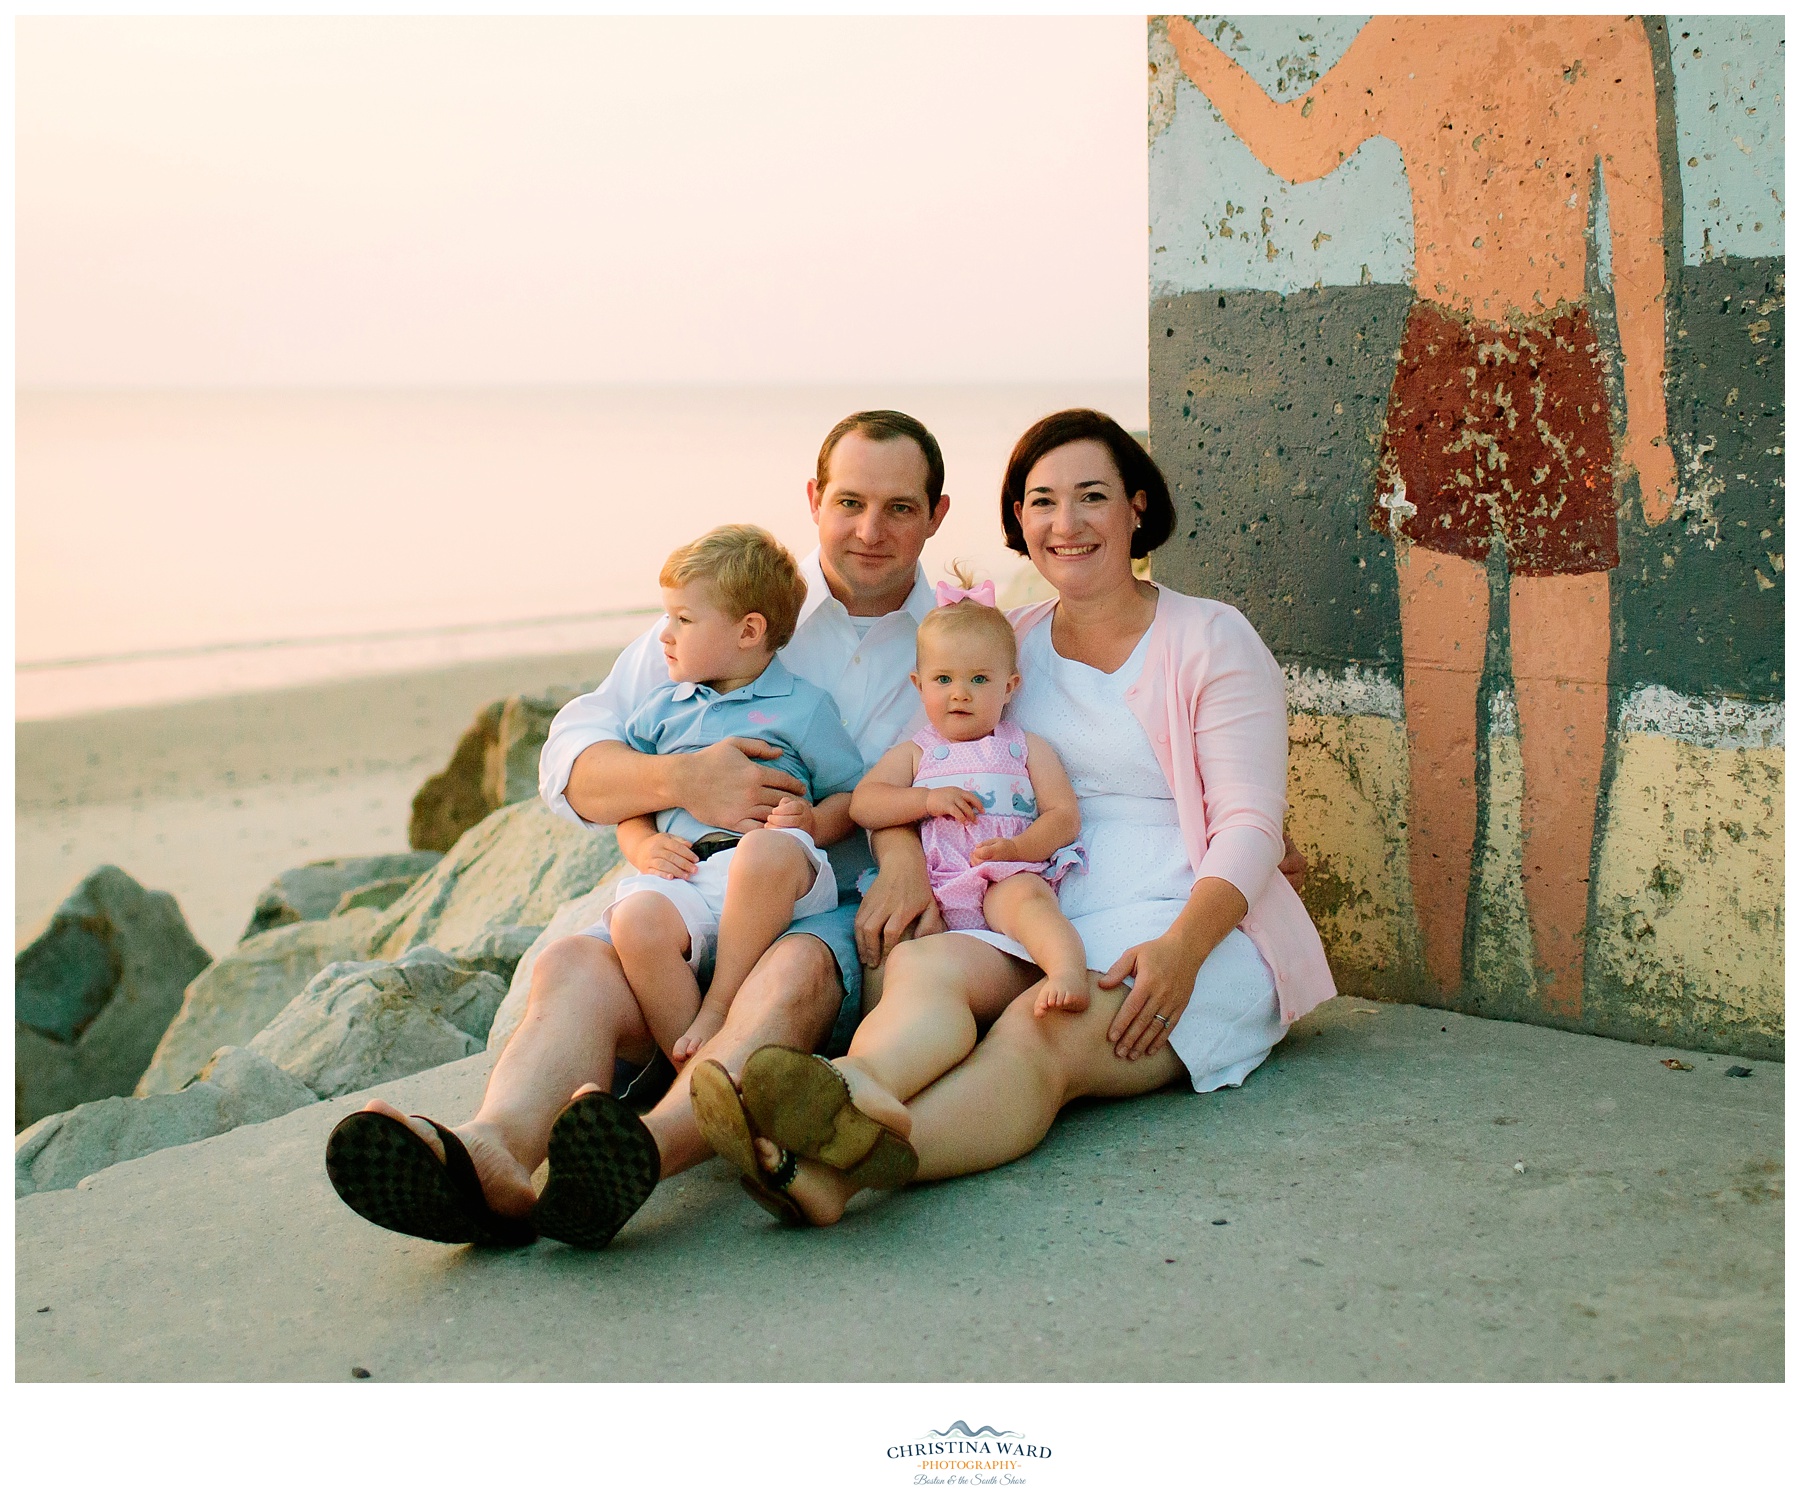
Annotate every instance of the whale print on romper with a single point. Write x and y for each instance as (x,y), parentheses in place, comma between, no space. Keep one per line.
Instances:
(993,768)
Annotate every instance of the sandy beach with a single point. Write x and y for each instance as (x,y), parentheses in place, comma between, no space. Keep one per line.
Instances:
(208,800)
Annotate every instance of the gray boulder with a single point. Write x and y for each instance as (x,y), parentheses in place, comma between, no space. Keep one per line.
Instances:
(571,918)
(239,994)
(325,887)
(93,993)
(236,1086)
(356,1025)
(498,887)
(493,766)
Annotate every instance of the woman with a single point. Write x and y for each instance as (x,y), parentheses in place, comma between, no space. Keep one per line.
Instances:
(1170,717)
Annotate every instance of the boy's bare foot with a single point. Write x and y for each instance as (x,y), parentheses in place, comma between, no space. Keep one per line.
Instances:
(817,1190)
(1062,991)
(707,1022)
(504,1181)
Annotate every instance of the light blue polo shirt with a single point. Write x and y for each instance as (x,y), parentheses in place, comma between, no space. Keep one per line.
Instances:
(778,707)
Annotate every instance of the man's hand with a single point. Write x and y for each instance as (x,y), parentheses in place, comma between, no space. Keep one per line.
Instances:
(1293,864)
(899,903)
(665,855)
(954,802)
(1654,462)
(792,813)
(725,787)
(995,849)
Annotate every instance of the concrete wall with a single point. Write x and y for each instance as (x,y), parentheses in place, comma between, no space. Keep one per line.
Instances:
(1535,661)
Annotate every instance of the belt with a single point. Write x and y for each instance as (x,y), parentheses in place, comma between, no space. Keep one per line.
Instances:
(709,845)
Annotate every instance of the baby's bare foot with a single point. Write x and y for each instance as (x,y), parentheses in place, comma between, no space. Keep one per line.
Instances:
(504,1181)
(817,1190)
(1062,991)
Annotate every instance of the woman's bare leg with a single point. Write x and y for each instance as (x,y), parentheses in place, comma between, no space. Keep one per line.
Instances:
(1023,907)
(580,1016)
(938,992)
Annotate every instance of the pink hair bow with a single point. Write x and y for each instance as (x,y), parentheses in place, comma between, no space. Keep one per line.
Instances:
(950,592)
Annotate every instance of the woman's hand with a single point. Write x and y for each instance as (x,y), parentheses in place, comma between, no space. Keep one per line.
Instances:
(665,855)
(995,849)
(1164,969)
(954,802)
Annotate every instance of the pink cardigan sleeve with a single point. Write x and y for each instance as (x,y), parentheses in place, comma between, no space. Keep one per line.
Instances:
(1240,745)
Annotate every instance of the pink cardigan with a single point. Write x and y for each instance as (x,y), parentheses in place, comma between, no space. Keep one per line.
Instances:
(1212,700)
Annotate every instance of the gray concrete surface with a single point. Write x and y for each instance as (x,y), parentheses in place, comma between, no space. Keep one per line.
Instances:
(1353,1212)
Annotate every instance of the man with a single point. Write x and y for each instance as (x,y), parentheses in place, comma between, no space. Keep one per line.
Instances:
(876,499)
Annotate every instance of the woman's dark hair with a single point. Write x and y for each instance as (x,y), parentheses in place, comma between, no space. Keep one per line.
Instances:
(1136,470)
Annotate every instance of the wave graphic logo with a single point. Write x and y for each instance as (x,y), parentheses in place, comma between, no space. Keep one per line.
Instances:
(962,1429)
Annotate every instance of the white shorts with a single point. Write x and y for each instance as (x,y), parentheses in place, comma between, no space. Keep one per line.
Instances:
(700,899)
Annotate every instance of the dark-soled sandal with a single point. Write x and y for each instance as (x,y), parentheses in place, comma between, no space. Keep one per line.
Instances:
(603,1166)
(725,1125)
(388,1175)
(802,1102)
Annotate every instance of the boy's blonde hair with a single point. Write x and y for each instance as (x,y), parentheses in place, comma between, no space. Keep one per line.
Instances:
(750,571)
(966,616)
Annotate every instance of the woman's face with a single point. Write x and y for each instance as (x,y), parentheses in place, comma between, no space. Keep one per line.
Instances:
(1078,520)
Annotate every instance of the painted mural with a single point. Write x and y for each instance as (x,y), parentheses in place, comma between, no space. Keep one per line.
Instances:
(1466,366)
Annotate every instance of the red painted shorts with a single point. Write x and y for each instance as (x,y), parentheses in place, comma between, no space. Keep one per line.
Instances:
(1501,433)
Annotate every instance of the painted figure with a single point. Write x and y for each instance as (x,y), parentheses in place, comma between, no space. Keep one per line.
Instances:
(1497,426)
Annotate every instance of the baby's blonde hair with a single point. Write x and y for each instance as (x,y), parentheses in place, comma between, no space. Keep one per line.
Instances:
(750,571)
(966,616)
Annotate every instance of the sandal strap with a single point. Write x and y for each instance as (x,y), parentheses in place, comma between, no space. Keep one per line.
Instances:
(782,1176)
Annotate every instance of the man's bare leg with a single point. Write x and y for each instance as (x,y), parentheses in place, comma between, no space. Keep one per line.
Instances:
(1561,638)
(580,1016)
(1443,634)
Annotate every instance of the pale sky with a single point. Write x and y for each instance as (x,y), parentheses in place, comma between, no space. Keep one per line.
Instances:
(579,200)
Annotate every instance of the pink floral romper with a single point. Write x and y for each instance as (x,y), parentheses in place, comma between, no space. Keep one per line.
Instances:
(995,768)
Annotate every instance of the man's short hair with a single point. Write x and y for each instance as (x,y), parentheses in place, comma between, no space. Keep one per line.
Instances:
(887,425)
(750,572)
(1137,472)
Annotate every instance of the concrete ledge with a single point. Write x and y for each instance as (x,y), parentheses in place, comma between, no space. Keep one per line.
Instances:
(1374,1227)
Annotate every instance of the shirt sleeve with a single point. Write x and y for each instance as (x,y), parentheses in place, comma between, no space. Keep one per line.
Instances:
(829,752)
(1240,744)
(604,714)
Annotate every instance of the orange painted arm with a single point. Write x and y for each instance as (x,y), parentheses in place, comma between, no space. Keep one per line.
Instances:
(1634,202)
(1301,139)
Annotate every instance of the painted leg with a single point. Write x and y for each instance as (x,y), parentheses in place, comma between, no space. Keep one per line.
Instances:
(1443,633)
(1561,639)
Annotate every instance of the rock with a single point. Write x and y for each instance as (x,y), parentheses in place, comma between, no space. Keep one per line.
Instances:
(93,993)
(455,800)
(494,766)
(511,872)
(239,994)
(327,886)
(356,1025)
(237,1086)
(571,918)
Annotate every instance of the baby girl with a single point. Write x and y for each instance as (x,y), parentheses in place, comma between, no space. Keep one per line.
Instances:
(998,814)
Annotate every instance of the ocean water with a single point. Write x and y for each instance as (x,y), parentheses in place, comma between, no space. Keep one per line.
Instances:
(174,545)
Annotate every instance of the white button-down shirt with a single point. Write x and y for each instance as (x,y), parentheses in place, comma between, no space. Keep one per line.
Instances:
(868,675)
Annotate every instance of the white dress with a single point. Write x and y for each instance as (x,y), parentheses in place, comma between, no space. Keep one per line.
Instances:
(1138,877)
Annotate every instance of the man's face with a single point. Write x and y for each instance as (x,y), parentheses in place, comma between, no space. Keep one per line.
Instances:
(874,518)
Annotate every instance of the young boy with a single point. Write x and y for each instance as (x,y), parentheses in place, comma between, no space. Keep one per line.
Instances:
(732,598)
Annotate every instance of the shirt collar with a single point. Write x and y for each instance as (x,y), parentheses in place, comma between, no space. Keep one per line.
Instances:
(919,602)
(776,681)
